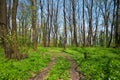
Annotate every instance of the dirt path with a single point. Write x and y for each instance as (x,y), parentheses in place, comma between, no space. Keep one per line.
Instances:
(74,71)
(43,74)
(75,74)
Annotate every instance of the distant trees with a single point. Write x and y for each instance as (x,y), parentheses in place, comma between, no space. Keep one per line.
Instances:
(24,29)
(105,9)
(58,23)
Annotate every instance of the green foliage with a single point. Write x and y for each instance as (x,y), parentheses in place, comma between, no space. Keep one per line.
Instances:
(23,69)
(101,64)
(60,70)
(24,41)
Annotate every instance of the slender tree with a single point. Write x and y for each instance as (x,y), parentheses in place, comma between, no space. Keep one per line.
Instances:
(65,28)
(89,5)
(14,29)
(34,20)
(112,24)
(117,25)
(83,27)
(74,22)
(56,24)
(97,15)
(48,21)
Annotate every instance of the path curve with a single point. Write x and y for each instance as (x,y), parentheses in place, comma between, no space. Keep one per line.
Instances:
(75,73)
(43,74)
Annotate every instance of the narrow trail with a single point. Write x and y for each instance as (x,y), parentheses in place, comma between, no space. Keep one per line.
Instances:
(74,71)
(42,75)
(75,74)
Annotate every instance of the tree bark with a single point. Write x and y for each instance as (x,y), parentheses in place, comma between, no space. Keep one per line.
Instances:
(48,20)
(34,20)
(89,8)
(55,41)
(16,53)
(117,25)
(65,28)
(112,25)
(83,27)
(10,41)
(74,23)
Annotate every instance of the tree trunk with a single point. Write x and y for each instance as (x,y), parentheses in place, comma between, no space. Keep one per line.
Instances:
(117,25)
(10,44)
(34,20)
(48,19)
(111,34)
(90,35)
(83,27)
(56,25)
(65,29)
(74,23)
(16,53)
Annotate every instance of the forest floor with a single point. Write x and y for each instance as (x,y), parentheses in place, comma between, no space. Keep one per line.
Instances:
(75,73)
(58,64)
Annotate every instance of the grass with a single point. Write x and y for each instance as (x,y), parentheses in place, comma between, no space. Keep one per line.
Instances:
(61,70)
(101,64)
(23,69)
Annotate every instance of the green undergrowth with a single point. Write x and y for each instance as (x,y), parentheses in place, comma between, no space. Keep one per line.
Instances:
(23,69)
(60,71)
(101,63)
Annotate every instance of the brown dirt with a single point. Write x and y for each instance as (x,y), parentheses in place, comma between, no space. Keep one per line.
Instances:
(75,73)
(43,74)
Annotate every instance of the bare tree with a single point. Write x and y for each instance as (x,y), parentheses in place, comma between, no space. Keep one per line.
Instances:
(74,22)
(117,25)
(69,18)
(105,9)
(83,27)
(89,5)
(97,15)
(48,21)
(56,24)
(34,19)
(112,24)
(65,29)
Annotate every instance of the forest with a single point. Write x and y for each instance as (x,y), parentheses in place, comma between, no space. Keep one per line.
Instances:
(59,39)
